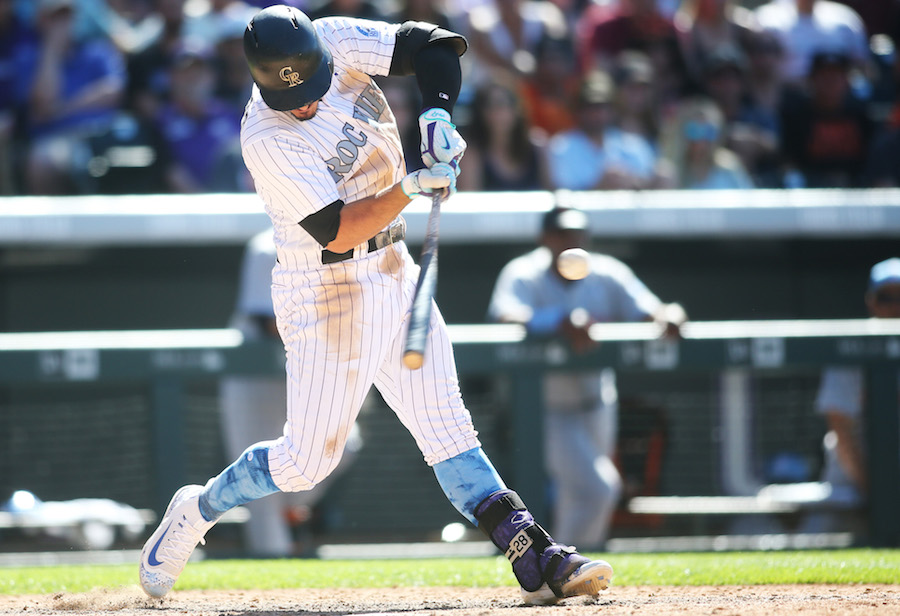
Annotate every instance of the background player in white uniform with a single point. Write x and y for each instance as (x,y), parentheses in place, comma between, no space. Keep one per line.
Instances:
(252,408)
(581,409)
(324,152)
(841,400)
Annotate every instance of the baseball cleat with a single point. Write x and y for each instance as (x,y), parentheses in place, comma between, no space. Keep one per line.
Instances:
(588,579)
(168,549)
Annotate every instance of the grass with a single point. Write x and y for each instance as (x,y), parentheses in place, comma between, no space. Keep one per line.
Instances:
(829,567)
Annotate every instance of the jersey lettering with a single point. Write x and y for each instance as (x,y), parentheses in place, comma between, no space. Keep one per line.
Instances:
(347,152)
(369,105)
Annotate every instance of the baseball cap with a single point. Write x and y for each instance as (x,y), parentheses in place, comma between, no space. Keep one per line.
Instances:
(564,219)
(885,272)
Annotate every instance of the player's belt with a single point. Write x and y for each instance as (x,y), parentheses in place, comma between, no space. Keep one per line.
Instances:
(391,235)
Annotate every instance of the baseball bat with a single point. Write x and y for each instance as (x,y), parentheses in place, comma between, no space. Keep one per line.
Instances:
(420,314)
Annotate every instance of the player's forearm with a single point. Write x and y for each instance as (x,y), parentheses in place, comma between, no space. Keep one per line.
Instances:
(848,450)
(362,219)
(852,460)
(439,76)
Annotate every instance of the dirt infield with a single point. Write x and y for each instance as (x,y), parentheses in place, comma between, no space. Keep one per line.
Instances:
(802,600)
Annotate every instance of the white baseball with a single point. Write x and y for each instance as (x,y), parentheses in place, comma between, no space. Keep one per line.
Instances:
(574,263)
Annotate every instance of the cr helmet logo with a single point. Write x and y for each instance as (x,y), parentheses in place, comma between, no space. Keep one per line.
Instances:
(291,76)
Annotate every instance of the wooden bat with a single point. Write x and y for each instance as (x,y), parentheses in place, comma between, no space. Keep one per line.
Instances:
(420,315)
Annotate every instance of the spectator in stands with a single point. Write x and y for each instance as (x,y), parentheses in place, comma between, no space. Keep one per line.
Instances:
(826,131)
(199,129)
(204,22)
(261,4)
(704,26)
(841,400)
(604,31)
(765,89)
(233,80)
(571,10)
(18,49)
(883,164)
(149,82)
(748,130)
(765,83)
(252,410)
(423,10)
(635,105)
(74,92)
(132,25)
(504,36)
(806,27)
(597,154)
(547,93)
(581,408)
(504,153)
(363,9)
(87,20)
(693,147)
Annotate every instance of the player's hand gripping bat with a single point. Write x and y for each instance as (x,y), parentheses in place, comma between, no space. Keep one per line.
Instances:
(420,315)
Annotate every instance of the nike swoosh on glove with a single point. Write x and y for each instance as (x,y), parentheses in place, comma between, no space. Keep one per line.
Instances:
(428,181)
(440,142)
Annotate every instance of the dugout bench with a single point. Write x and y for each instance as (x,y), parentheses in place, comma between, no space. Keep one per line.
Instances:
(168,359)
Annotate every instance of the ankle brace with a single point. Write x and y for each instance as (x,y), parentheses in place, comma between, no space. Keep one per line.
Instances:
(507,522)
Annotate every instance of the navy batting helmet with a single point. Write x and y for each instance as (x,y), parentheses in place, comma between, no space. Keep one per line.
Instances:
(287,59)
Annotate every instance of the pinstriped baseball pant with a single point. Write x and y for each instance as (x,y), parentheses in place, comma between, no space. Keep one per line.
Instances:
(343,326)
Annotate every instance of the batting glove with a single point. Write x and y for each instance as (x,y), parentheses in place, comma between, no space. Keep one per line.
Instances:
(428,181)
(441,142)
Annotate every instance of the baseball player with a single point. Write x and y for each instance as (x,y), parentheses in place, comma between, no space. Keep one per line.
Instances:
(581,409)
(324,151)
(841,400)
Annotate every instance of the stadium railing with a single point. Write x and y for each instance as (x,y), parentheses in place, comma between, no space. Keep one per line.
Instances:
(469,218)
(168,359)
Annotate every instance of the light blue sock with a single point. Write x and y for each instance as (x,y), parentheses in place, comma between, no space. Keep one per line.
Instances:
(467,479)
(246,479)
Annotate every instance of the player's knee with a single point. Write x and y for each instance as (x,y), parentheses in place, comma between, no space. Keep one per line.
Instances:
(307,474)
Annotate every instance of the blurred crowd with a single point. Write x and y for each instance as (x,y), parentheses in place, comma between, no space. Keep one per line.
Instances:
(146,96)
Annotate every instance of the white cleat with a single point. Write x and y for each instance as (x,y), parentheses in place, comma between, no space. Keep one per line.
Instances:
(541,596)
(588,579)
(168,549)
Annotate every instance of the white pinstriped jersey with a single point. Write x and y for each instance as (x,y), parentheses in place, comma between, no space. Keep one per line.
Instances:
(351,149)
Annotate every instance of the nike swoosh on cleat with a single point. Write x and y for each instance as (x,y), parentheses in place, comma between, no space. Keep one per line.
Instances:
(151,558)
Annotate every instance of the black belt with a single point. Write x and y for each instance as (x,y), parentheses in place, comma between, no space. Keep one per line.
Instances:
(391,235)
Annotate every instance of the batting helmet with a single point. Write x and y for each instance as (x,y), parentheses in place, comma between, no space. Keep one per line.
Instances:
(287,59)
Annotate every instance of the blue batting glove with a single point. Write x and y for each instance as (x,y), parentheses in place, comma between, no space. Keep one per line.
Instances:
(440,142)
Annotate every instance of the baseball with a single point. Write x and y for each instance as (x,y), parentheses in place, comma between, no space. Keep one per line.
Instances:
(574,263)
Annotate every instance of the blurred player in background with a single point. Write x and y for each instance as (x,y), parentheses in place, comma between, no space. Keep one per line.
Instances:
(841,400)
(581,409)
(253,410)
(326,158)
